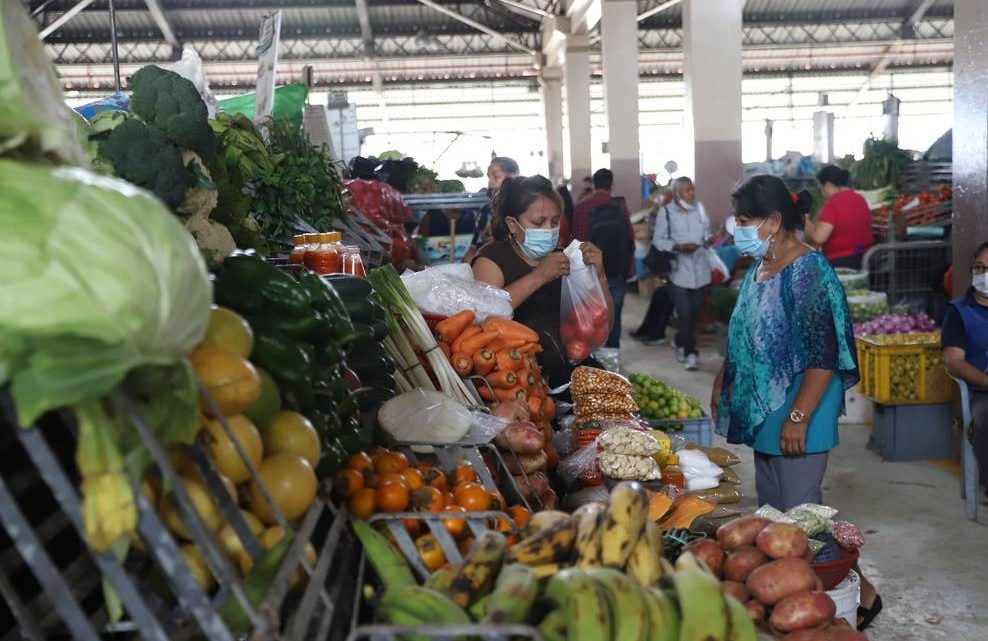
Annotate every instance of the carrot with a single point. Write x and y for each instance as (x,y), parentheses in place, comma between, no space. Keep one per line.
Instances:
(537,390)
(444,348)
(474,343)
(484,361)
(530,348)
(462,363)
(527,377)
(513,329)
(473,330)
(503,379)
(535,406)
(548,407)
(509,360)
(486,392)
(502,343)
(453,326)
(510,394)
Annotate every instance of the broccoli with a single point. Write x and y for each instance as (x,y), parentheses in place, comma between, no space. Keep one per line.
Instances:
(166,100)
(145,157)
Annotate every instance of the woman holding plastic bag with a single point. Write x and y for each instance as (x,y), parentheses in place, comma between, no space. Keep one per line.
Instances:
(525,260)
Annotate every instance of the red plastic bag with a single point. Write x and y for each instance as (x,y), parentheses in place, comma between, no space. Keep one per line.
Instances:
(379,201)
(583,310)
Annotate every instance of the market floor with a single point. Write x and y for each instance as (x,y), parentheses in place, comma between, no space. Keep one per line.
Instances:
(927,561)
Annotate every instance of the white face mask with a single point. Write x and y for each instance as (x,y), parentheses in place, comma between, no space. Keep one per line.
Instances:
(980,283)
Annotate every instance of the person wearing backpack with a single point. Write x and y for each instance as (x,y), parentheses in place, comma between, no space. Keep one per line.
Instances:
(682,227)
(603,219)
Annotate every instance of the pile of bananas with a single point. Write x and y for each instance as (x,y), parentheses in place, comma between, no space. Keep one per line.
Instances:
(597,574)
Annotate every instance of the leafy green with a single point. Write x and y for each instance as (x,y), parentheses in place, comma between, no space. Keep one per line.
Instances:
(144,156)
(99,280)
(882,164)
(166,100)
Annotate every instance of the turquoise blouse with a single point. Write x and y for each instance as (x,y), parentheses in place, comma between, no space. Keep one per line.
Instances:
(795,321)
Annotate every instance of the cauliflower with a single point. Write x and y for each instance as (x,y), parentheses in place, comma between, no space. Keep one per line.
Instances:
(214,240)
(200,198)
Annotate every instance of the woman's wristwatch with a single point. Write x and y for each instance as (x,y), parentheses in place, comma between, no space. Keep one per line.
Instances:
(797,416)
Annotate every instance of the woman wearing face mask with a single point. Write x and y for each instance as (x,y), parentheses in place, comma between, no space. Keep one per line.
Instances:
(964,339)
(790,349)
(523,260)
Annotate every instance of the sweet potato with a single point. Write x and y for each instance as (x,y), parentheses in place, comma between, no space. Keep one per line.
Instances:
(782,541)
(513,410)
(521,437)
(536,485)
(527,463)
(738,532)
(755,609)
(710,552)
(740,563)
(737,590)
(775,581)
(802,611)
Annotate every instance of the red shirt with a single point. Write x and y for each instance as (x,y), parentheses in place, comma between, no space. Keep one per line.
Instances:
(848,212)
(580,227)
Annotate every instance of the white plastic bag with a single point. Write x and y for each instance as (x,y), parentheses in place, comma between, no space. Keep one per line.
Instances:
(583,308)
(448,289)
(190,68)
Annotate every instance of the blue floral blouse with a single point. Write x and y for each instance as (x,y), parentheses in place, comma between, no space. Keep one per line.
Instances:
(780,327)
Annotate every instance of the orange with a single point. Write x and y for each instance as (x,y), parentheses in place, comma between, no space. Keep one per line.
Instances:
(224,453)
(290,481)
(292,433)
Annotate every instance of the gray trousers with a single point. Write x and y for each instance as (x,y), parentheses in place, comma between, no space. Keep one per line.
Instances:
(787,481)
(687,304)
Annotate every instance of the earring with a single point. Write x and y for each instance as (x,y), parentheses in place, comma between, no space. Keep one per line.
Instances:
(771,249)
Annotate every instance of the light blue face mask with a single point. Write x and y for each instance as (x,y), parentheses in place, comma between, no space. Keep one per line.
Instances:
(748,242)
(539,242)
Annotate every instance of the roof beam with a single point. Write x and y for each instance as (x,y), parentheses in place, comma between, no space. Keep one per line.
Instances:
(658,9)
(65,17)
(164,25)
(584,15)
(366,33)
(479,27)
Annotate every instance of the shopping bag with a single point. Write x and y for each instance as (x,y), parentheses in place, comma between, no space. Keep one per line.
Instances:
(718,269)
(583,308)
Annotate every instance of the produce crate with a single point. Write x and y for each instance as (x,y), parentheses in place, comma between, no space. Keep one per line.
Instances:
(53,584)
(913,432)
(904,369)
(695,430)
(486,631)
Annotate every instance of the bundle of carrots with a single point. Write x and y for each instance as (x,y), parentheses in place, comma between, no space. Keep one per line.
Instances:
(501,353)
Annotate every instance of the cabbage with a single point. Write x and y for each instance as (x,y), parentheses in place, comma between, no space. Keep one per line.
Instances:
(99,280)
(33,113)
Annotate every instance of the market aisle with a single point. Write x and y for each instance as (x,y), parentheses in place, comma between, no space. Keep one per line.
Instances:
(925,558)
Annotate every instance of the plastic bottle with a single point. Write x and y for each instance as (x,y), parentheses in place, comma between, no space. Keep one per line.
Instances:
(327,256)
(311,244)
(297,257)
(352,264)
(672,474)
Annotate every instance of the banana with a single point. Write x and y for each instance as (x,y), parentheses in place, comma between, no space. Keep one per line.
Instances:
(645,561)
(442,579)
(478,609)
(629,613)
(625,519)
(388,563)
(553,626)
(589,527)
(547,544)
(663,617)
(587,615)
(513,596)
(742,628)
(416,605)
(546,570)
(701,602)
(479,571)
(545,520)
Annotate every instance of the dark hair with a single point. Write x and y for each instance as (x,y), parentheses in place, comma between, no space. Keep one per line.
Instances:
(507,164)
(603,179)
(587,179)
(834,175)
(567,199)
(761,196)
(515,196)
(982,247)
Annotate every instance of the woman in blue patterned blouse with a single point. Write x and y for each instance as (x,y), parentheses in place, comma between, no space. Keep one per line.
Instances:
(790,351)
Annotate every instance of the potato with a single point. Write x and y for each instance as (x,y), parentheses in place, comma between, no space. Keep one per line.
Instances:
(775,581)
(741,562)
(536,485)
(841,633)
(710,552)
(527,463)
(782,541)
(737,590)
(513,410)
(802,611)
(550,500)
(755,609)
(808,635)
(738,532)
(521,437)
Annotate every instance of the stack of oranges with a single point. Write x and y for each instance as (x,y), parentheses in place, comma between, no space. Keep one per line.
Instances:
(384,481)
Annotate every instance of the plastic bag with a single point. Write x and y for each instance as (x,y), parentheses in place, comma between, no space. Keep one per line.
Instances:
(591,380)
(847,535)
(629,468)
(697,483)
(581,466)
(447,289)
(190,68)
(632,442)
(724,493)
(695,464)
(772,514)
(811,518)
(609,357)
(583,309)
(867,305)
(822,511)
(730,476)
(717,455)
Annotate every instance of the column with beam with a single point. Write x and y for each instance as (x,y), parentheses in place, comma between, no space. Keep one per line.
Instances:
(576,80)
(619,50)
(970,135)
(551,81)
(712,70)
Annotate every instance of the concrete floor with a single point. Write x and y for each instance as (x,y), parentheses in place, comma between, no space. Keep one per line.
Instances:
(927,561)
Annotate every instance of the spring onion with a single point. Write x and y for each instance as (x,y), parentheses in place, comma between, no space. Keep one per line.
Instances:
(409,335)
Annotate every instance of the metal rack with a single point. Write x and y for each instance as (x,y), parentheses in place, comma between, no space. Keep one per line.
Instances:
(903,270)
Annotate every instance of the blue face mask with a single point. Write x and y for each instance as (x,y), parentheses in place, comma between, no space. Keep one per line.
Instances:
(539,242)
(748,242)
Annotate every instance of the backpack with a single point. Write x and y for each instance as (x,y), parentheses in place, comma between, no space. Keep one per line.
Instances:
(609,232)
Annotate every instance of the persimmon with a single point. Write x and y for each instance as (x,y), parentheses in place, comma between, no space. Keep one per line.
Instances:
(465,545)
(414,478)
(498,504)
(464,473)
(427,499)
(372,480)
(430,551)
(394,477)
(361,461)
(391,463)
(448,498)
(362,504)
(348,482)
(412,526)
(456,527)
(392,496)
(472,496)
(520,515)
(435,477)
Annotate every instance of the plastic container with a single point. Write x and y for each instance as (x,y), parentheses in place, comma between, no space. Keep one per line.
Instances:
(903,369)
(847,597)
(351,262)
(672,474)
(831,573)
(914,432)
(696,430)
(297,255)
(311,244)
(326,259)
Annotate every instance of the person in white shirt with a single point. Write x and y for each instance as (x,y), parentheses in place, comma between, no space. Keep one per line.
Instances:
(682,227)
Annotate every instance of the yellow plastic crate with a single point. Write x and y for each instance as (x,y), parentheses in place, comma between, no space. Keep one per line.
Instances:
(903,369)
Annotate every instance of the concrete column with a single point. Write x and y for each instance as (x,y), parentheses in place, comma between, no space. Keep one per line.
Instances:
(890,109)
(576,79)
(551,80)
(823,136)
(619,52)
(712,71)
(970,135)
(769,133)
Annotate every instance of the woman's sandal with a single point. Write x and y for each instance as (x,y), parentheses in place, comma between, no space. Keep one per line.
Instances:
(867,615)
